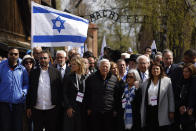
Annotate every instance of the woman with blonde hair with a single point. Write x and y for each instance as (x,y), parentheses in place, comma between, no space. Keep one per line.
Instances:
(114,70)
(74,90)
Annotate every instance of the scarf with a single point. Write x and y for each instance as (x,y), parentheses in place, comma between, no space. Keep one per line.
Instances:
(129,96)
(124,77)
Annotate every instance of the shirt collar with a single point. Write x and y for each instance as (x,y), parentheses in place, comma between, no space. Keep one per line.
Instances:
(63,67)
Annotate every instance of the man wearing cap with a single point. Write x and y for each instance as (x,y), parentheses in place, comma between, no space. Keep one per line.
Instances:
(13,90)
(132,62)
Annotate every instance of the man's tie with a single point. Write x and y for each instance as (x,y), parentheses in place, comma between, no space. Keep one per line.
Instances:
(144,76)
(61,70)
(167,70)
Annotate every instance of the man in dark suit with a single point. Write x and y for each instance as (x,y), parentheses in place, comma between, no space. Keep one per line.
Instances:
(174,72)
(44,96)
(168,64)
(61,59)
(64,69)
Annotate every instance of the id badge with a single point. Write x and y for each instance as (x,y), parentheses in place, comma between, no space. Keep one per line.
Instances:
(124,102)
(153,100)
(79,97)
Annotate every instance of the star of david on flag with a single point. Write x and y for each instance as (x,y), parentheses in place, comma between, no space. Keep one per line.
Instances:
(56,21)
(54,28)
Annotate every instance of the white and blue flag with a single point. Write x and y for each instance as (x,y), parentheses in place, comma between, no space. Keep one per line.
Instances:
(54,28)
(103,45)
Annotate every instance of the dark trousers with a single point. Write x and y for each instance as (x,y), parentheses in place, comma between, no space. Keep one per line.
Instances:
(11,117)
(152,123)
(187,122)
(45,119)
(74,123)
(157,128)
(102,121)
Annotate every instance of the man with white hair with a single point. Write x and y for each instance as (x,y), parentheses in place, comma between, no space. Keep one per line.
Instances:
(158,59)
(61,58)
(100,97)
(143,65)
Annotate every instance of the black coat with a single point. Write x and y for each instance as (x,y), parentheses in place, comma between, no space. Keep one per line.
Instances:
(171,70)
(55,85)
(135,108)
(192,98)
(67,70)
(101,93)
(187,99)
(70,91)
(78,121)
(176,76)
(185,92)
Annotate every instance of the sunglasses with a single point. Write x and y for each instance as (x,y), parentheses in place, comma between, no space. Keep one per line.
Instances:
(13,54)
(43,58)
(130,77)
(28,62)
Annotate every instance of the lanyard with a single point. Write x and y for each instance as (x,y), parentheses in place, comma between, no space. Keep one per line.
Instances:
(77,83)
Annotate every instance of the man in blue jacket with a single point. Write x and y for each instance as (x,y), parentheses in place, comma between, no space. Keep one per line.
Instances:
(13,90)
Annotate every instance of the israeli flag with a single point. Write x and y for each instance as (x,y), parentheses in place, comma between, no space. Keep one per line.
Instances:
(53,28)
(81,51)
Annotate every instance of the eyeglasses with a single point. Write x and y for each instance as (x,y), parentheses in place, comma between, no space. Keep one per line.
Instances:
(37,53)
(28,62)
(13,54)
(130,77)
(43,58)
(60,57)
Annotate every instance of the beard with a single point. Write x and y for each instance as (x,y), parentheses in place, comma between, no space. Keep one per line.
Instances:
(44,64)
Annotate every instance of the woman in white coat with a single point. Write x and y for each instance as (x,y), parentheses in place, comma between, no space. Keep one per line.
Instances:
(157,107)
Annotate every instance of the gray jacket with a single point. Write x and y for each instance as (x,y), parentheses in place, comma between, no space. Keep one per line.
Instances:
(166,102)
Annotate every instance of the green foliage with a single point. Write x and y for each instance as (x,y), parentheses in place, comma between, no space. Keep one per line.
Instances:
(170,18)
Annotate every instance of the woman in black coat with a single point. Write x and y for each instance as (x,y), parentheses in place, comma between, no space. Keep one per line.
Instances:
(186,118)
(74,90)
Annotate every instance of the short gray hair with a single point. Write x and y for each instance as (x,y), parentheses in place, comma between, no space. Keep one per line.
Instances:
(143,57)
(158,56)
(167,51)
(104,61)
(135,73)
(61,52)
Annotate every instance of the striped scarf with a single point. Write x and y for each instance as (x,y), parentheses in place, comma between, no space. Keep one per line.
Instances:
(129,95)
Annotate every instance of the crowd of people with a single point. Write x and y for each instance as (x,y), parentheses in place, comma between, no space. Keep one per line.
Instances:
(136,92)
